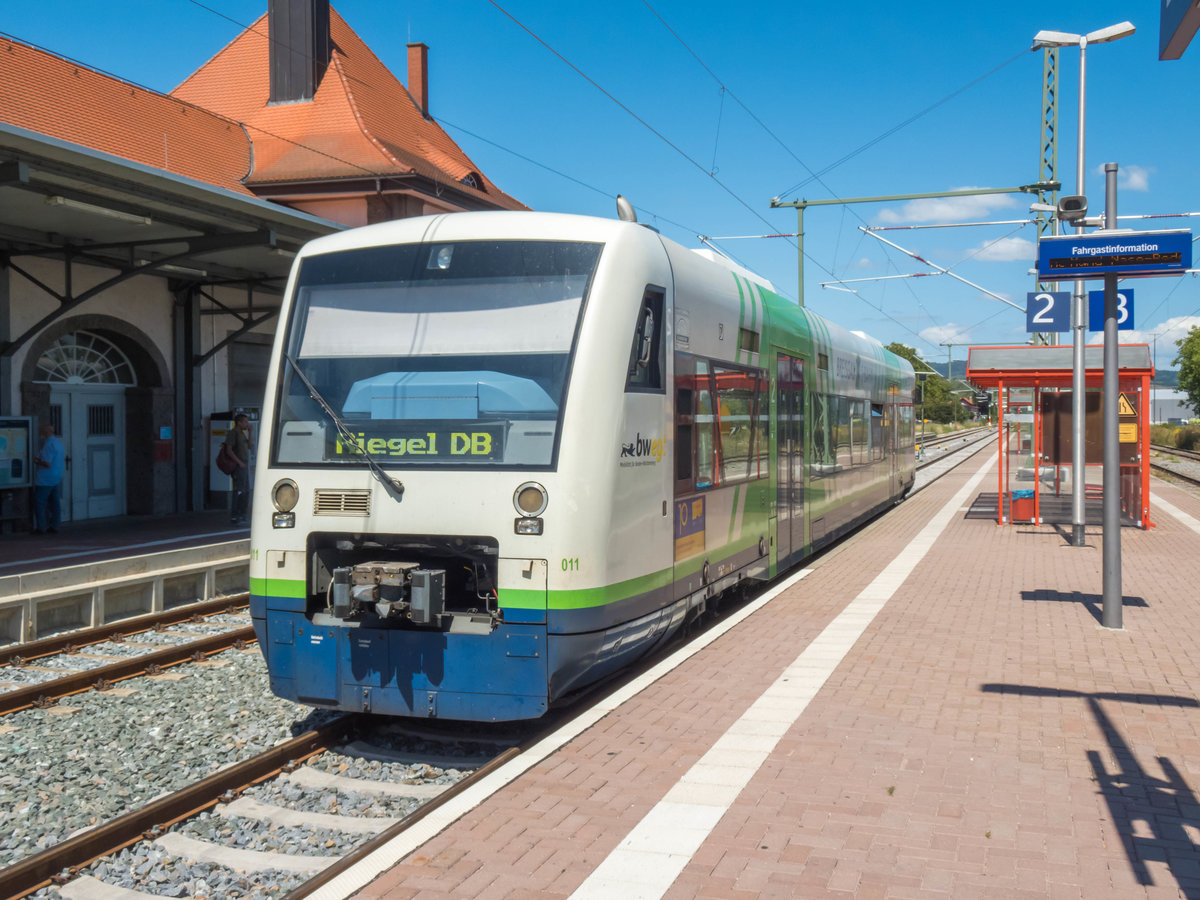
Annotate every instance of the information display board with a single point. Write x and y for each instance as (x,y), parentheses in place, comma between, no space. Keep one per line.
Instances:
(1129,254)
(16,452)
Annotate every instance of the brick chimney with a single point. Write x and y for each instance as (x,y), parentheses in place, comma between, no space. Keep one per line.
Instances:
(300,48)
(418,76)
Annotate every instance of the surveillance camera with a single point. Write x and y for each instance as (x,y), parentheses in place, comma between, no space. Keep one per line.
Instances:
(1072,207)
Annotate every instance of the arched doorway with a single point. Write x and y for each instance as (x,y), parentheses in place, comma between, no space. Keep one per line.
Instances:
(88,374)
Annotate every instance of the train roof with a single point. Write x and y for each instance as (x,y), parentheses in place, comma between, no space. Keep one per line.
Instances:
(511,225)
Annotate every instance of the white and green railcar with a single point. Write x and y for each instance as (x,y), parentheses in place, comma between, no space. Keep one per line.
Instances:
(505,454)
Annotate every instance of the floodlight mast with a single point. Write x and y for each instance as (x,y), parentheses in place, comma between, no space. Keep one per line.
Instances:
(1078,310)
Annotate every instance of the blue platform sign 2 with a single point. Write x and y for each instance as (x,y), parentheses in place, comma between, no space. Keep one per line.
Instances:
(1047,311)
(1129,254)
(1124,310)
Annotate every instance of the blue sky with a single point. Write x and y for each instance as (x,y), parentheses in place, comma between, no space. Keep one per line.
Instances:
(723,106)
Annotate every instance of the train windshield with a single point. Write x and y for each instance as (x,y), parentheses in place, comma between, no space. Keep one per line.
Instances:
(432,354)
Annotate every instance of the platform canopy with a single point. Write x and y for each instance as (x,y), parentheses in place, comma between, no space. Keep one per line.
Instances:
(1020,365)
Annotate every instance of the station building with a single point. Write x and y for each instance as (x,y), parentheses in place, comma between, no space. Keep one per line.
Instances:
(145,238)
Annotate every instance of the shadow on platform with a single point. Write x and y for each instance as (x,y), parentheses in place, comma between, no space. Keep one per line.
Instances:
(1138,801)
(1054,510)
(1094,603)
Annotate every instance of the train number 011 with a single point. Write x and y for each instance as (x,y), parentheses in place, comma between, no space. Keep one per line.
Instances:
(570,565)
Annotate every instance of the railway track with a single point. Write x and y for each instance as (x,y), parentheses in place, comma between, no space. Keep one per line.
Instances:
(192,826)
(98,658)
(1175,451)
(1176,464)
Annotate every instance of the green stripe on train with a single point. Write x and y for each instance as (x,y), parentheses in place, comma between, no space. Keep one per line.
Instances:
(518,598)
(278,587)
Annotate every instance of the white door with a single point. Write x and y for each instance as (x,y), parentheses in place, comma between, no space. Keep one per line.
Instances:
(91,423)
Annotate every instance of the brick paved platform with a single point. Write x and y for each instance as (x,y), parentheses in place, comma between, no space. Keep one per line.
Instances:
(982,736)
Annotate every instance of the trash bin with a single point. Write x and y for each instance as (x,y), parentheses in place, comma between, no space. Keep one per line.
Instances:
(1021,505)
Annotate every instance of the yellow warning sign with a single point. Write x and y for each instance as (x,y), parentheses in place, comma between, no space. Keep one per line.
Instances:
(1125,406)
(1127,434)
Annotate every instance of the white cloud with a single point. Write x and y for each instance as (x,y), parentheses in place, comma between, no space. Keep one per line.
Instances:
(1007,249)
(946,209)
(1167,334)
(1130,177)
(948,333)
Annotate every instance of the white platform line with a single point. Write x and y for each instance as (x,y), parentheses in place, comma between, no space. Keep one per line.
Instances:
(1190,521)
(647,862)
(405,843)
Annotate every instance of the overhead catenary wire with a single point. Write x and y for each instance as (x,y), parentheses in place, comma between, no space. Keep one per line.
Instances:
(875,140)
(945,271)
(815,176)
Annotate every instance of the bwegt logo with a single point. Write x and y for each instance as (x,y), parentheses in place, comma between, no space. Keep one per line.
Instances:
(644,446)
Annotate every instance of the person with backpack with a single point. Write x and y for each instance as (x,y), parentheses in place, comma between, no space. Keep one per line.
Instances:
(237,444)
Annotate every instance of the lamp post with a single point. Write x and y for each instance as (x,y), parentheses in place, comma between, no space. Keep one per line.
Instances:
(1078,310)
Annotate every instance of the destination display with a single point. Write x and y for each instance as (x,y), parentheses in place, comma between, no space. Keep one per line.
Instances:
(1128,254)
(401,441)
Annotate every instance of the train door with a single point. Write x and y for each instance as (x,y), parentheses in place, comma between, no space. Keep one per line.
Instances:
(789,431)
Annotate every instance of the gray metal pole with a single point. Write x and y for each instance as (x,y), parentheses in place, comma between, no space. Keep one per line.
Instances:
(1111,610)
(1078,328)
(800,248)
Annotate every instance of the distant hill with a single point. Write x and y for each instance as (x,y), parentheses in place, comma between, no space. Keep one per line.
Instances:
(1167,378)
(960,367)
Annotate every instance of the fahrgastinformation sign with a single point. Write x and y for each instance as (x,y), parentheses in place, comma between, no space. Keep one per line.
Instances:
(1130,254)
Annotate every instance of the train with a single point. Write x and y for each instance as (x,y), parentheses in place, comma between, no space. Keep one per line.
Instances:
(503,455)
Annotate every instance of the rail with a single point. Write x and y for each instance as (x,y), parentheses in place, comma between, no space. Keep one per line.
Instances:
(73,854)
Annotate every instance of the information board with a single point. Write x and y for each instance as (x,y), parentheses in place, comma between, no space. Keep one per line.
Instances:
(1130,254)
(16,451)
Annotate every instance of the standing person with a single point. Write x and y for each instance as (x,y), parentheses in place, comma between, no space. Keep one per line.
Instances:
(238,441)
(47,482)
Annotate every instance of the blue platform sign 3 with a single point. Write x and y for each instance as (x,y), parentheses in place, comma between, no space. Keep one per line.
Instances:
(1130,254)
(1047,311)
(1124,310)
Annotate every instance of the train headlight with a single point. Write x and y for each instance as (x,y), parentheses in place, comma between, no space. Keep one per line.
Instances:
(528,525)
(285,494)
(531,499)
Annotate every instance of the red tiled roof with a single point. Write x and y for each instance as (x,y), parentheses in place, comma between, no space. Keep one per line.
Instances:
(362,122)
(66,100)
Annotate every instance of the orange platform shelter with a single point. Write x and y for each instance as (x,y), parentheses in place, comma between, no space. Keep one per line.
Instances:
(1034,387)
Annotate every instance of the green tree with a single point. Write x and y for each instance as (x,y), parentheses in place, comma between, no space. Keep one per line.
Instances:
(1188,360)
(938,401)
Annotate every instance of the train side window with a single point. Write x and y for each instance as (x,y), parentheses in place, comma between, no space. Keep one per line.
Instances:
(845,425)
(685,437)
(762,425)
(706,420)
(880,428)
(823,443)
(646,362)
(859,433)
(735,423)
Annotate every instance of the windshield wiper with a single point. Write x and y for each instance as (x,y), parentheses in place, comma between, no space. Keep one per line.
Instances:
(394,487)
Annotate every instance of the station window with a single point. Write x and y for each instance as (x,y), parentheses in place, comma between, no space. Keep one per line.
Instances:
(646,358)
